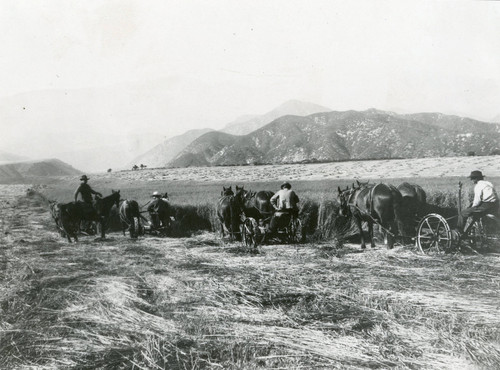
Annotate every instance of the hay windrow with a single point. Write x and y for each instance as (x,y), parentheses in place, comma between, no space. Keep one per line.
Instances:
(193,302)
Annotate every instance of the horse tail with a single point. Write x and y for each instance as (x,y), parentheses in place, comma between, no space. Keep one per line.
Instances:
(122,212)
(372,191)
(231,206)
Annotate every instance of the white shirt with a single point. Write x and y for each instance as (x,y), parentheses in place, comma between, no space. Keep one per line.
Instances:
(484,193)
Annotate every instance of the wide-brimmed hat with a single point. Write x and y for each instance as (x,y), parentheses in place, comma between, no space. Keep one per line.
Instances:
(84,177)
(156,194)
(476,175)
(286,185)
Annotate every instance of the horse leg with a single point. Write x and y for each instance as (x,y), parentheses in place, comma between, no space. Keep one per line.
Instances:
(390,235)
(370,234)
(360,228)
(221,233)
(124,228)
(103,232)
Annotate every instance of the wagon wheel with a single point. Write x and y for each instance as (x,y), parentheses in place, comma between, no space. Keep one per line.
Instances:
(433,235)
(250,233)
(295,231)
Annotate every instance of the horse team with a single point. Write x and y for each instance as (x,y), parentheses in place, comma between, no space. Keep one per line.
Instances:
(232,206)
(394,209)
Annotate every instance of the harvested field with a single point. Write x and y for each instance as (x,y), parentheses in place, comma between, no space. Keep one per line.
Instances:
(198,303)
(374,169)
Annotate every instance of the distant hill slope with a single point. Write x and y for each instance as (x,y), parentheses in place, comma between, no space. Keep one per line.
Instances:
(346,135)
(163,153)
(10,157)
(31,170)
(246,124)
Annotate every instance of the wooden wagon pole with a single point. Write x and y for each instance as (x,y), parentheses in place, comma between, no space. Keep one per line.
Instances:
(460,218)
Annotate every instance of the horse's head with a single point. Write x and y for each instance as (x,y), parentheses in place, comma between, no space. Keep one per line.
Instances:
(242,196)
(165,196)
(343,196)
(360,185)
(226,191)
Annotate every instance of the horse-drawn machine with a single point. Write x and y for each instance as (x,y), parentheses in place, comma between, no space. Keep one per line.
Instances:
(256,232)
(247,216)
(435,236)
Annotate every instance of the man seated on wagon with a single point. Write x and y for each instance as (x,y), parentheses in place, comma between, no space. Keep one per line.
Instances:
(485,201)
(159,206)
(285,202)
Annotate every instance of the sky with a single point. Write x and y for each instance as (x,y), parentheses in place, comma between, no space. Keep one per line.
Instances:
(73,73)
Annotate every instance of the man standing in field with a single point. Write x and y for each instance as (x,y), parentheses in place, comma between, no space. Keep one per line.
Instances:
(485,200)
(285,202)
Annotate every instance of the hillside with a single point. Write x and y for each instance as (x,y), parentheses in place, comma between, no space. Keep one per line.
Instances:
(163,153)
(30,170)
(246,124)
(334,136)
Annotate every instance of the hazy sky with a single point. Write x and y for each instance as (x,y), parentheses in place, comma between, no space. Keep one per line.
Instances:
(169,66)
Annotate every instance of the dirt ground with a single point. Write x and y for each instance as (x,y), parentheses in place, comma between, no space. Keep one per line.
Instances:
(200,303)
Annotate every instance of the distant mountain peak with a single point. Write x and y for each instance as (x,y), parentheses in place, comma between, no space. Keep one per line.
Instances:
(290,107)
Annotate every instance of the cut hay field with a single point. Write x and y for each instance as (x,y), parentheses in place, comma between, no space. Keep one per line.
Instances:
(198,303)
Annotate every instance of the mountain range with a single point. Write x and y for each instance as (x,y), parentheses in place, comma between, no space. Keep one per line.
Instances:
(163,153)
(333,136)
(27,171)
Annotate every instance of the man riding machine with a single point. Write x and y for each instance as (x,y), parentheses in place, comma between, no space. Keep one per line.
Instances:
(285,203)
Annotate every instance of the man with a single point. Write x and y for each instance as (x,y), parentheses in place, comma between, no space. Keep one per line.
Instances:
(485,200)
(159,205)
(86,191)
(285,202)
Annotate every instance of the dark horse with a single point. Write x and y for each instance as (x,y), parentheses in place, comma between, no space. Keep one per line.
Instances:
(258,204)
(229,208)
(130,217)
(413,207)
(71,214)
(379,203)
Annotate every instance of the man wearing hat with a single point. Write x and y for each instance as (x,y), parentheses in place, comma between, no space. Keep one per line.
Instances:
(285,202)
(86,191)
(485,200)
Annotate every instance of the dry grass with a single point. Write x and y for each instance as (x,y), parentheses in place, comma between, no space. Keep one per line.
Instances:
(193,303)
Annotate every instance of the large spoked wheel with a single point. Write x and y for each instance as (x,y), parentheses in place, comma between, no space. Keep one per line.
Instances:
(434,235)
(250,233)
(295,231)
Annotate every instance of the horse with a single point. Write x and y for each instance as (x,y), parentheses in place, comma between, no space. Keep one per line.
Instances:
(379,203)
(130,217)
(73,213)
(226,191)
(413,207)
(55,212)
(229,209)
(258,204)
